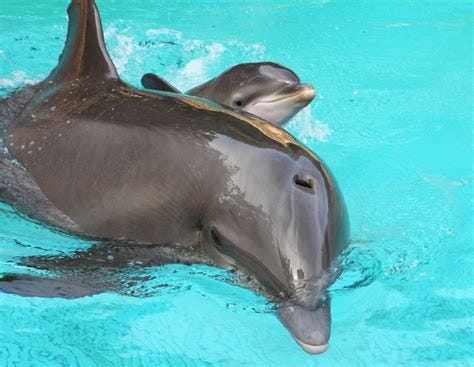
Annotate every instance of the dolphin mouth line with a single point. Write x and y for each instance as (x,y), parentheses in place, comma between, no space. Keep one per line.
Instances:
(302,90)
(312,349)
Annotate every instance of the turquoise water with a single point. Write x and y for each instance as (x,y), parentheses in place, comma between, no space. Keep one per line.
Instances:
(393,119)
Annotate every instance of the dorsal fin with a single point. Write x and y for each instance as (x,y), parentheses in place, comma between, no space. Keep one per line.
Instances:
(155,82)
(84,54)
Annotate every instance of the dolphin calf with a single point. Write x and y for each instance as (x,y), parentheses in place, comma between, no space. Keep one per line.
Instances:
(265,89)
(113,162)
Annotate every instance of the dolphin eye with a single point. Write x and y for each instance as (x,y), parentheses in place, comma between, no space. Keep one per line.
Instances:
(216,238)
(238,99)
(303,181)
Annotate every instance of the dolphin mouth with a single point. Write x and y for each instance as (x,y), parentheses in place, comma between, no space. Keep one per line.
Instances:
(312,349)
(306,92)
(310,327)
(301,92)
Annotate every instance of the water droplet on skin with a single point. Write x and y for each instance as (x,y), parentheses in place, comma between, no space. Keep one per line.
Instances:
(22,146)
(39,149)
(68,121)
(31,143)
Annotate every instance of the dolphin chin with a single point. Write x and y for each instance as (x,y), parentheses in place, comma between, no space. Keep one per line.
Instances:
(312,349)
(310,327)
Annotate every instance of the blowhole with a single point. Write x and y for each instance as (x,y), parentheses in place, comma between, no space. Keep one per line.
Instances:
(303,181)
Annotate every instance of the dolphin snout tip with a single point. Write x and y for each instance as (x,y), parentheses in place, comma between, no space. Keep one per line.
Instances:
(309,327)
(307,92)
(312,349)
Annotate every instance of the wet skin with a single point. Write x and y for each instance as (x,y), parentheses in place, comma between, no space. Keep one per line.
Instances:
(159,168)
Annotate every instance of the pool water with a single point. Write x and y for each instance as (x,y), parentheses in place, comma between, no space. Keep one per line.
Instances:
(393,119)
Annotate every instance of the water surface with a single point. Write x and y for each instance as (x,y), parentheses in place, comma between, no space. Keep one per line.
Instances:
(393,119)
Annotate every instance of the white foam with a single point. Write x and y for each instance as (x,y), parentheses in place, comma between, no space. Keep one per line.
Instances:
(196,60)
(308,129)
(256,50)
(196,70)
(124,48)
(17,78)
(109,32)
(164,31)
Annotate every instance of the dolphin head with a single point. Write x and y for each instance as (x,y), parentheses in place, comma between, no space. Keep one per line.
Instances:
(265,89)
(285,223)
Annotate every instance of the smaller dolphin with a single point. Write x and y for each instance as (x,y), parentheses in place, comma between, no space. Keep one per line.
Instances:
(265,89)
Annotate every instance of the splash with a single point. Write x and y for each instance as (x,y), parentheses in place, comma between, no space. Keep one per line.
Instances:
(196,70)
(307,129)
(16,79)
(124,47)
(184,62)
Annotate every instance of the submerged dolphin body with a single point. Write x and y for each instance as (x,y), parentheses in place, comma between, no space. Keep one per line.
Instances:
(265,89)
(107,160)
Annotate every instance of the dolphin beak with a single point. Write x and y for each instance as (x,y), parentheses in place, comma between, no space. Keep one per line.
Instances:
(299,92)
(282,105)
(312,349)
(306,92)
(310,328)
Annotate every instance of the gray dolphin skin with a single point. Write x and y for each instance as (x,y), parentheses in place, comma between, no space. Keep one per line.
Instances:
(155,168)
(265,89)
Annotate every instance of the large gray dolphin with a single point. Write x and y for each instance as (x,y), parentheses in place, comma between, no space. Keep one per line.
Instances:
(162,168)
(266,89)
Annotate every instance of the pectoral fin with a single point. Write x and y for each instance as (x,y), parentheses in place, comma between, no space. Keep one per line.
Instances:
(32,286)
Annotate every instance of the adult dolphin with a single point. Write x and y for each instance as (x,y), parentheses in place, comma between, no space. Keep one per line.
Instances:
(266,89)
(160,168)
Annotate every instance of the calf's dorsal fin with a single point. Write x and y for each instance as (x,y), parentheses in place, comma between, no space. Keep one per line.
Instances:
(84,54)
(155,82)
